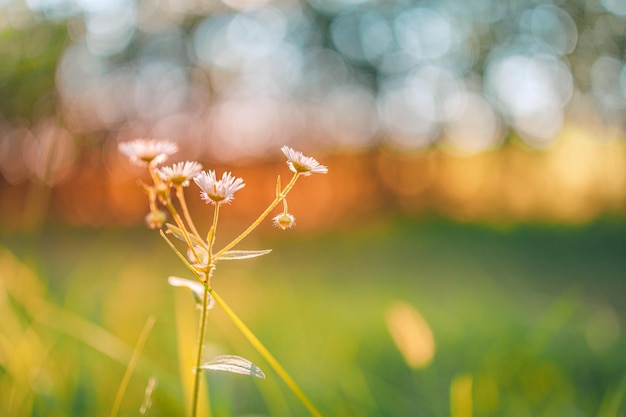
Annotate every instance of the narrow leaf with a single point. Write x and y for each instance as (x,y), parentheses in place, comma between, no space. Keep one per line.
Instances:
(234,364)
(243,254)
(197,289)
(178,233)
(279,187)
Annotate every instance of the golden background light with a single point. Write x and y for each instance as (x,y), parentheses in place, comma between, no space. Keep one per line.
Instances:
(411,334)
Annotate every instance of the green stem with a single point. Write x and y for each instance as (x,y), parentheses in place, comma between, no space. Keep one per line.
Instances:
(211,235)
(203,318)
(181,226)
(180,256)
(256,343)
(167,201)
(258,221)
(197,370)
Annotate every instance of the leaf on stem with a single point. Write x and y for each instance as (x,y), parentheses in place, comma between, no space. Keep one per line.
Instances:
(243,254)
(279,187)
(203,256)
(234,364)
(197,289)
(178,233)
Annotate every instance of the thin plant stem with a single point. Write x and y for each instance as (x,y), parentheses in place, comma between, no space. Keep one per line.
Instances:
(180,256)
(132,363)
(263,215)
(152,200)
(183,205)
(203,317)
(200,342)
(256,343)
(168,203)
(155,178)
(212,232)
(181,226)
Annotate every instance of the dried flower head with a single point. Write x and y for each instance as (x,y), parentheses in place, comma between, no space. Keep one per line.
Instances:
(216,191)
(180,173)
(303,164)
(284,221)
(147,151)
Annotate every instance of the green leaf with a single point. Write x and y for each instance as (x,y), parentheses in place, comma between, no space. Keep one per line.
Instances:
(197,289)
(203,254)
(234,364)
(178,233)
(243,254)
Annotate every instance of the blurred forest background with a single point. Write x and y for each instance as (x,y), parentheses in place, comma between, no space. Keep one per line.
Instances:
(477,110)
(475,202)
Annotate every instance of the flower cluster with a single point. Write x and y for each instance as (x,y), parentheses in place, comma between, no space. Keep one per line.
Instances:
(149,152)
(201,255)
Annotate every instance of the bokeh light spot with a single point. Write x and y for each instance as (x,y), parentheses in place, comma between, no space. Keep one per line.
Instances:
(411,334)
(424,33)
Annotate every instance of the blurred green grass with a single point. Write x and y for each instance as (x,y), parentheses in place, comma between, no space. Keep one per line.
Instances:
(531,315)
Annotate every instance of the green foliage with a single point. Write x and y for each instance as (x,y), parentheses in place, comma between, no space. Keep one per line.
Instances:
(522,317)
(29,57)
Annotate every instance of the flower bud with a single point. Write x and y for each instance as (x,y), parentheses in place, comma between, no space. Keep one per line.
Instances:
(161,189)
(284,221)
(155,219)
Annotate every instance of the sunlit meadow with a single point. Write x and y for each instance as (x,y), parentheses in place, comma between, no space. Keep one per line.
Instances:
(457,251)
(398,318)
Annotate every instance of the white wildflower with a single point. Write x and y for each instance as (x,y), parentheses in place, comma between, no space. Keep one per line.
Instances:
(216,191)
(303,164)
(180,173)
(148,151)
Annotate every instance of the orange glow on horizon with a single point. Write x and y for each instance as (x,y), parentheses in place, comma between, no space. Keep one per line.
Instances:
(576,181)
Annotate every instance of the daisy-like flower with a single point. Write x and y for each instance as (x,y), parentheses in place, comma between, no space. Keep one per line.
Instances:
(303,164)
(216,191)
(284,221)
(147,151)
(180,173)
